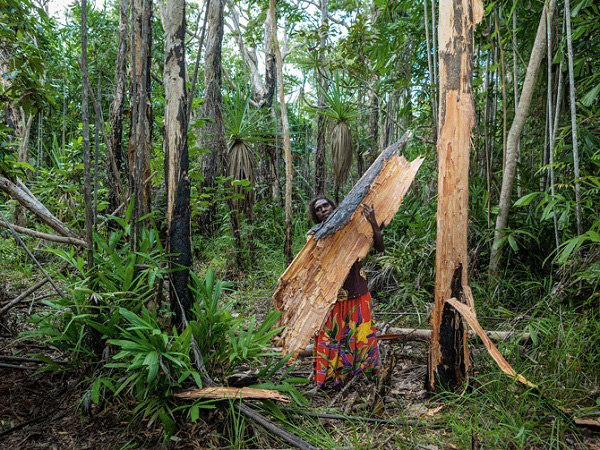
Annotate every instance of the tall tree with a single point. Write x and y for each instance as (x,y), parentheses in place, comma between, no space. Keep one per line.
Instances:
(140,140)
(448,351)
(87,178)
(320,165)
(573,117)
(287,145)
(115,152)
(176,156)
(508,177)
(212,135)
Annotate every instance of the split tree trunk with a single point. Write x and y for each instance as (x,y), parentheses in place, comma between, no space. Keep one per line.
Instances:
(448,351)
(508,177)
(176,157)
(287,145)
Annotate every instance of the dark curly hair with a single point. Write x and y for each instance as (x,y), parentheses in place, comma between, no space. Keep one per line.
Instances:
(311,207)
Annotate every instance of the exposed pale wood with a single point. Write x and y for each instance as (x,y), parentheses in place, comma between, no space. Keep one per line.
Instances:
(448,358)
(308,288)
(469,315)
(20,193)
(219,392)
(45,236)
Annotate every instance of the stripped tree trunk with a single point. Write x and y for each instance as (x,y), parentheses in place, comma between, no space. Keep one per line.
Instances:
(448,351)
(212,135)
(508,177)
(87,179)
(115,152)
(287,145)
(320,165)
(140,141)
(176,157)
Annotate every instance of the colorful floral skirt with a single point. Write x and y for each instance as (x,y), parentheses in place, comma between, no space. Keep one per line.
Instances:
(347,344)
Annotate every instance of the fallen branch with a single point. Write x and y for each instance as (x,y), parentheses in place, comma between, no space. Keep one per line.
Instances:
(20,193)
(15,367)
(22,244)
(471,318)
(23,296)
(30,360)
(45,236)
(220,392)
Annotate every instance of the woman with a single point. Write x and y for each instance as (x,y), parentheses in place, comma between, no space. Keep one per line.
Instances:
(347,344)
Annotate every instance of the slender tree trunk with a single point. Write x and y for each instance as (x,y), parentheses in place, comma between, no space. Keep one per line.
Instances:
(551,129)
(516,93)
(320,162)
(573,117)
(22,133)
(176,157)
(508,178)
(503,86)
(87,179)
(435,54)
(448,351)
(287,146)
(431,73)
(115,152)
(140,142)
(212,135)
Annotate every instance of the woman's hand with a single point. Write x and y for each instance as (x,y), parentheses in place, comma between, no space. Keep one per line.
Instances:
(369,214)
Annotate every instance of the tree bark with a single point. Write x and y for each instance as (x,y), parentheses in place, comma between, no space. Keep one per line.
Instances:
(516,89)
(448,351)
(508,178)
(140,141)
(573,118)
(176,157)
(115,151)
(287,145)
(212,135)
(320,163)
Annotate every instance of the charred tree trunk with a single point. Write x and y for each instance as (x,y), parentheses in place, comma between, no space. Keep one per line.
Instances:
(448,351)
(176,158)
(212,136)
(508,177)
(115,152)
(140,141)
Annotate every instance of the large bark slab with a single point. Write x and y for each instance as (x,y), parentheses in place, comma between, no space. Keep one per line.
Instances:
(308,288)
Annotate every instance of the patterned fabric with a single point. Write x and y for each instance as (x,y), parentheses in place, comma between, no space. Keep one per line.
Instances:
(347,344)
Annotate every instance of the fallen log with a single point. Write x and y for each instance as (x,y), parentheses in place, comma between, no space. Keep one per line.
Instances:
(222,392)
(45,236)
(308,288)
(417,334)
(20,193)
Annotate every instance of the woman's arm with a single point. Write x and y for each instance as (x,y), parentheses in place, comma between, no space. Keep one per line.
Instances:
(369,214)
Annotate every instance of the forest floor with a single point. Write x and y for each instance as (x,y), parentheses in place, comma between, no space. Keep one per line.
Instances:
(45,410)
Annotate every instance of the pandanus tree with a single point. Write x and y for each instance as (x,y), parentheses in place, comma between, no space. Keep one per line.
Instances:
(341,111)
(244,126)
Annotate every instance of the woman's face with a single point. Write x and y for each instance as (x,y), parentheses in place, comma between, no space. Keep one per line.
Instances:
(323,209)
